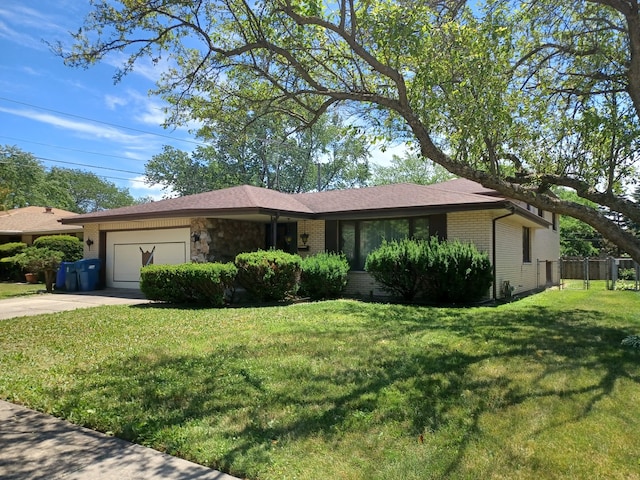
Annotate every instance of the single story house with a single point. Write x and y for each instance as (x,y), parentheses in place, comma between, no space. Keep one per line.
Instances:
(522,242)
(28,223)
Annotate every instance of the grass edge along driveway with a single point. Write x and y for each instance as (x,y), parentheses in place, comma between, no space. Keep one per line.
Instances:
(540,388)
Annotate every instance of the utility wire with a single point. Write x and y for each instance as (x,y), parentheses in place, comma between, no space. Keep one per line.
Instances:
(71,149)
(90,166)
(101,122)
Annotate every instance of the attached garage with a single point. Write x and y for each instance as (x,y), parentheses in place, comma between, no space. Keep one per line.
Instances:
(128,251)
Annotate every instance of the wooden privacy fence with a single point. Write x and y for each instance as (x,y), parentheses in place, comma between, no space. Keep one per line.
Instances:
(585,268)
(609,269)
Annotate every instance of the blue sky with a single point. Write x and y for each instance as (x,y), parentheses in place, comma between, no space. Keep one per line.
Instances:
(76,118)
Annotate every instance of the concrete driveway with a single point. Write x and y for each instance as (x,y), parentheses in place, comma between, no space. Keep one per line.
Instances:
(62,301)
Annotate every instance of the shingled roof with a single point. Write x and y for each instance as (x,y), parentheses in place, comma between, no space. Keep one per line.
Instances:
(35,221)
(245,200)
(458,194)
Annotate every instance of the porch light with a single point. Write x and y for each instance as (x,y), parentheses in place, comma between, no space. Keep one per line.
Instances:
(304,237)
(89,242)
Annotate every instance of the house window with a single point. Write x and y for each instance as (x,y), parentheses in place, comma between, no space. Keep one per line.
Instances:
(554,221)
(526,245)
(541,212)
(359,238)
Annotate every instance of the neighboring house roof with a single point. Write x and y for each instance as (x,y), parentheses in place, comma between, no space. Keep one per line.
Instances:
(35,221)
(248,201)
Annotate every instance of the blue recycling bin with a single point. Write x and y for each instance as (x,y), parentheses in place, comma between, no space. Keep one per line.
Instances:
(70,276)
(88,273)
(61,276)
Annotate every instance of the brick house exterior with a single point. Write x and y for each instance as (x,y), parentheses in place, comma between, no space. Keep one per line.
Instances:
(521,241)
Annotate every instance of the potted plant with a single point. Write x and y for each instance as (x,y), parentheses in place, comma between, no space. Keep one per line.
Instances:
(35,260)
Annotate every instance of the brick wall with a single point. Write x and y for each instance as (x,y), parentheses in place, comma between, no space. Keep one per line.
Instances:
(315,229)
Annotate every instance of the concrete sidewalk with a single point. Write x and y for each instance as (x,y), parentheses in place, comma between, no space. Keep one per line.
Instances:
(61,301)
(35,446)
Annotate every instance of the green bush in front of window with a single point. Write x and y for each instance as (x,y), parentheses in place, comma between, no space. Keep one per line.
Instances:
(399,266)
(324,275)
(269,275)
(439,271)
(459,273)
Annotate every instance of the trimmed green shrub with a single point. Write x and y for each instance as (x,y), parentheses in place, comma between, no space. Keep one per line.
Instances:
(70,246)
(202,283)
(399,266)
(11,249)
(459,273)
(40,260)
(440,271)
(9,269)
(269,275)
(323,275)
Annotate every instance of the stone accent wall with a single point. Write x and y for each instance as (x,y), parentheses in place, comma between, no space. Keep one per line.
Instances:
(221,239)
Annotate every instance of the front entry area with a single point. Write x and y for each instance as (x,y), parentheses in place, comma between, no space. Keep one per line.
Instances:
(127,252)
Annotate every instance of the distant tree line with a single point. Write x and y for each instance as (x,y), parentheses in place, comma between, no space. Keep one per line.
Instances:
(24,181)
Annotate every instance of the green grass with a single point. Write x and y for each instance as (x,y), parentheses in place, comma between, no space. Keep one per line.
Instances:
(8,290)
(539,388)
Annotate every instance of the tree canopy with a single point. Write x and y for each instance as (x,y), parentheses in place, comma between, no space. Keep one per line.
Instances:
(520,96)
(410,168)
(270,152)
(24,181)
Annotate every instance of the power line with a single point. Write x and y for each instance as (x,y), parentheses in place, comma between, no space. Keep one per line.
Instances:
(103,168)
(90,166)
(102,122)
(70,149)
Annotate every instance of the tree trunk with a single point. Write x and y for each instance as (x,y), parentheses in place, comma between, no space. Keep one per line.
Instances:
(49,278)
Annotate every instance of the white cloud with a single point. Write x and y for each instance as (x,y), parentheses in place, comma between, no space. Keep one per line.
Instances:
(22,39)
(143,66)
(114,101)
(384,158)
(139,188)
(85,129)
(18,19)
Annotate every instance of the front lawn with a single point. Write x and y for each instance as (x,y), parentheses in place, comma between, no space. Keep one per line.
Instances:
(9,289)
(539,388)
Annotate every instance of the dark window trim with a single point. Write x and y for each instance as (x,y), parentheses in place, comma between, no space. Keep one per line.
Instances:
(526,245)
(357,227)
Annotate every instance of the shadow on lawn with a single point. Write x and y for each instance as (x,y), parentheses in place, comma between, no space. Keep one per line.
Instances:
(369,376)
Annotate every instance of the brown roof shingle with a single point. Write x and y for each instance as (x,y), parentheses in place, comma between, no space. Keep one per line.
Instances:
(397,196)
(35,220)
(247,200)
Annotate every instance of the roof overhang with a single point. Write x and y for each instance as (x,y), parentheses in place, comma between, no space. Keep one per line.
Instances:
(412,211)
(529,219)
(258,215)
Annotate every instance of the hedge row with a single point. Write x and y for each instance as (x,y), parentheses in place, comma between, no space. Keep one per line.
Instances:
(203,283)
(271,275)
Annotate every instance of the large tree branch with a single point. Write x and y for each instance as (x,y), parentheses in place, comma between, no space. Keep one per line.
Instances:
(356,47)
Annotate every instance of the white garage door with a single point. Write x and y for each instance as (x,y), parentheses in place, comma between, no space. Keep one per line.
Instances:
(127,252)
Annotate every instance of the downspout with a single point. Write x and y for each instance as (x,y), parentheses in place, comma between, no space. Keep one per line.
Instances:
(512,211)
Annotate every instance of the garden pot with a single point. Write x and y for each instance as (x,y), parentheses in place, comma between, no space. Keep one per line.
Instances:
(31,277)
